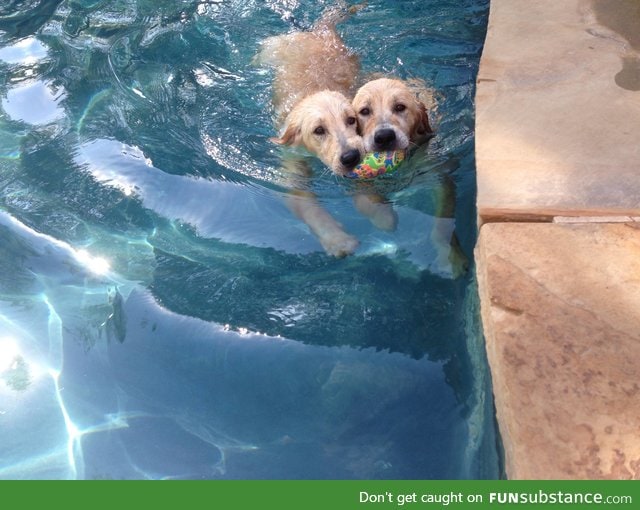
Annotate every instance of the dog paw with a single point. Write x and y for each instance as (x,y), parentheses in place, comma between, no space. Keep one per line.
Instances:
(385,218)
(450,261)
(380,212)
(339,244)
(459,262)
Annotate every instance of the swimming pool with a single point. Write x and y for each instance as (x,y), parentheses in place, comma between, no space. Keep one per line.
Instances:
(163,315)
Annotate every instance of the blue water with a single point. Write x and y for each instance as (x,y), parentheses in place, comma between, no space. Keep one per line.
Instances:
(162,313)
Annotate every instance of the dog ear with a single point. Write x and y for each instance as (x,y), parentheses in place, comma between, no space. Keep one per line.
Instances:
(422,128)
(289,137)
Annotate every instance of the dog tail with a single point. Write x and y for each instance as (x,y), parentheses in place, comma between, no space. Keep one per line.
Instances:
(336,14)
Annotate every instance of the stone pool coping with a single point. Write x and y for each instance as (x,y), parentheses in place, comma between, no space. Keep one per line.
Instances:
(558,253)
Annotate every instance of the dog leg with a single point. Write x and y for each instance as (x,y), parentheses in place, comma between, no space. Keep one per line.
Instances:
(450,257)
(329,232)
(305,205)
(377,209)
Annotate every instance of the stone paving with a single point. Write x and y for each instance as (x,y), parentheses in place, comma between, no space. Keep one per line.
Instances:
(556,134)
(558,255)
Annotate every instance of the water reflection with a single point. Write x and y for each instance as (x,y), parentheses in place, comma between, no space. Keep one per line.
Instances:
(36,103)
(224,210)
(25,52)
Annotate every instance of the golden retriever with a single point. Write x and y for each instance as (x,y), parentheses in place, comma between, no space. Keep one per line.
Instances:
(392,114)
(314,74)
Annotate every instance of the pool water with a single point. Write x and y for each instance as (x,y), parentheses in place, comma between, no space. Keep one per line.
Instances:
(163,314)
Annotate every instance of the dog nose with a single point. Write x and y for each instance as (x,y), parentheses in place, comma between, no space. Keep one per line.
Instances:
(350,158)
(384,138)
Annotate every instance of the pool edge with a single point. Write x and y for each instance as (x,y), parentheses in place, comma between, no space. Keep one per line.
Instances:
(561,342)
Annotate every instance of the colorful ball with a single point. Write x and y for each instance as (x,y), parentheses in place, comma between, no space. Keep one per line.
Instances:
(375,164)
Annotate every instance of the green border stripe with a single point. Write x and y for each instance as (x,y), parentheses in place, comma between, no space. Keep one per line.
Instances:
(311,495)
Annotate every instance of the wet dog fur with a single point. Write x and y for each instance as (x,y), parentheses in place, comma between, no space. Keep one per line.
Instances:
(315,75)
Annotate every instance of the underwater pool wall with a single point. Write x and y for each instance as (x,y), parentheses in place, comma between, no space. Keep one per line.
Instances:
(558,253)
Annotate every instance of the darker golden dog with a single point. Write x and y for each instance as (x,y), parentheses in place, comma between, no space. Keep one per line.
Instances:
(392,114)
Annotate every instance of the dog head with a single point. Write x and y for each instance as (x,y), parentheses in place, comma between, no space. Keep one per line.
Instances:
(325,124)
(390,115)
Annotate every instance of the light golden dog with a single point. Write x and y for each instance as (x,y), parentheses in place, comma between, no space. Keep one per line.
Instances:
(314,74)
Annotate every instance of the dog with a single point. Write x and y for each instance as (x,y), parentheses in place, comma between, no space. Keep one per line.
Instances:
(315,73)
(393,114)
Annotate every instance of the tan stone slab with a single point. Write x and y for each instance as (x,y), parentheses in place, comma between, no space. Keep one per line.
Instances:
(561,314)
(558,110)
(596,219)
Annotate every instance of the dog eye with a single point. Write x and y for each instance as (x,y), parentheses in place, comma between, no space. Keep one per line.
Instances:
(399,108)
(364,112)
(351,121)
(319,131)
